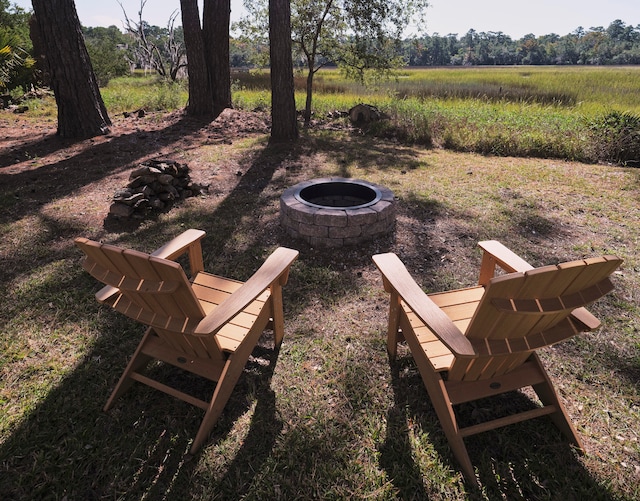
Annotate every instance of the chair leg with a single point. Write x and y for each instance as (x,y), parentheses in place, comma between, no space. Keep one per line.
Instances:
(438,394)
(138,361)
(394,326)
(277,314)
(548,396)
(228,379)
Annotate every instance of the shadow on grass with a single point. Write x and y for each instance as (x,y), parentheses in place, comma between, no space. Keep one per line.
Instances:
(369,153)
(67,447)
(529,460)
(22,194)
(138,448)
(411,420)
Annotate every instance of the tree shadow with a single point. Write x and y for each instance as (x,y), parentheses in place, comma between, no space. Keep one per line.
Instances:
(370,153)
(25,191)
(257,445)
(396,452)
(138,448)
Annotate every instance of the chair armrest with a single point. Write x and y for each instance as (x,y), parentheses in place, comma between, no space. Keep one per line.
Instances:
(397,278)
(188,241)
(496,254)
(274,269)
(586,320)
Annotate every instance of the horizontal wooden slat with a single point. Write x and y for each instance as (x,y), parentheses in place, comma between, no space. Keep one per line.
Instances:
(274,270)
(211,298)
(216,282)
(180,395)
(507,420)
(209,368)
(397,277)
(460,311)
(460,296)
(442,363)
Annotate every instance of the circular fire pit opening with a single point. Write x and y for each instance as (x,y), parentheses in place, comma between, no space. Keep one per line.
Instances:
(333,212)
(339,193)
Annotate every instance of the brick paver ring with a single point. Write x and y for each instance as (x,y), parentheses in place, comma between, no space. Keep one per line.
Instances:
(332,212)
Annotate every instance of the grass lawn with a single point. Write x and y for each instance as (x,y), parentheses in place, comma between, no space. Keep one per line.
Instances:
(332,419)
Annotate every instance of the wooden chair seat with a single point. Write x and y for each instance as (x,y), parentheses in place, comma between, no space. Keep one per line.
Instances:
(211,291)
(460,306)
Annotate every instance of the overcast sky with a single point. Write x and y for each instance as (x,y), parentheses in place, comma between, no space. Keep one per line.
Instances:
(515,18)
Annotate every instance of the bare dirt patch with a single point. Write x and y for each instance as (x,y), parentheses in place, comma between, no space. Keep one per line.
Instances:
(38,165)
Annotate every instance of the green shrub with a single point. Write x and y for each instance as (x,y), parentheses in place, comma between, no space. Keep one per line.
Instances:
(16,64)
(107,60)
(169,96)
(138,91)
(616,137)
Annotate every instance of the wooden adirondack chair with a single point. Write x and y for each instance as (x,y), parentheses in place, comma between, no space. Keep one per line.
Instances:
(208,326)
(478,342)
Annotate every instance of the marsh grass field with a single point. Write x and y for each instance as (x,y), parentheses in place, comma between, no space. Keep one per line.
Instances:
(545,112)
(328,416)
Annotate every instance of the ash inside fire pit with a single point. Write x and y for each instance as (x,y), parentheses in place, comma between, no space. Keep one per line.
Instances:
(339,193)
(333,212)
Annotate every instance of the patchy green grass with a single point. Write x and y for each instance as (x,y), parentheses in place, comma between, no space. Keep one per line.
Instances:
(332,419)
(127,94)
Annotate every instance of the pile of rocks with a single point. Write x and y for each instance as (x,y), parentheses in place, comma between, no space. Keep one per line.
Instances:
(154,186)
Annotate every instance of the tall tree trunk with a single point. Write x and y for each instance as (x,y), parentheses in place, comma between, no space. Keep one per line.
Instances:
(284,125)
(200,95)
(215,23)
(81,111)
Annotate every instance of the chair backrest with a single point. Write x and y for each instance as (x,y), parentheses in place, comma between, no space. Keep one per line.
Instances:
(521,312)
(151,290)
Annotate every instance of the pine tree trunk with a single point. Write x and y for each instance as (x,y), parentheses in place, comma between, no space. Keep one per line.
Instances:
(200,95)
(81,111)
(216,20)
(284,126)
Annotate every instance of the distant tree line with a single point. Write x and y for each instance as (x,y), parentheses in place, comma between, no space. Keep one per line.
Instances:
(114,53)
(618,44)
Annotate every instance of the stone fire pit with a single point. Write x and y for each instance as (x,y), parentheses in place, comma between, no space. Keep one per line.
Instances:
(332,212)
